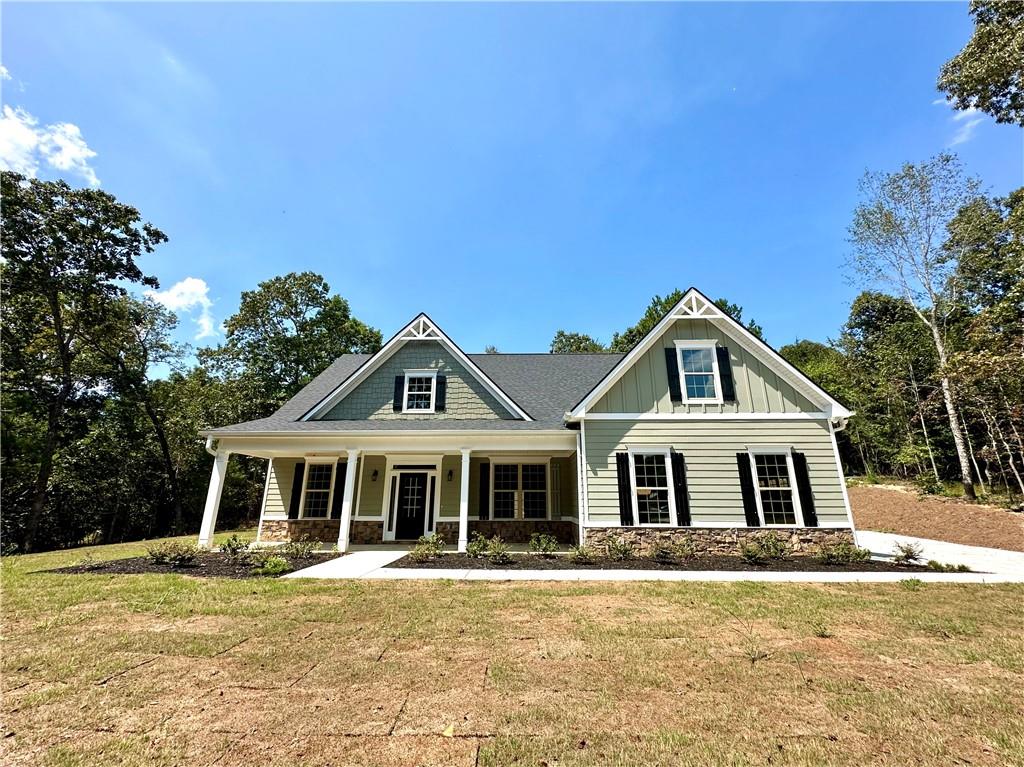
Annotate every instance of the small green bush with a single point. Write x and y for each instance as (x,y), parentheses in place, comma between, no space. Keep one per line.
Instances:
(173,553)
(941,568)
(752,553)
(668,553)
(912,584)
(476,548)
(273,566)
(842,553)
(303,548)
(89,562)
(235,549)
(618,549)
(543,544)
(428,547)
(927,484)
(581,554)
(765,548)
(906,553)
(497,551)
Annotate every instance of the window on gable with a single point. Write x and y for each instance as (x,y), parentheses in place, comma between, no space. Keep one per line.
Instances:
(698,370)
(420,391)
(651,487)
(317,497)
(775,488)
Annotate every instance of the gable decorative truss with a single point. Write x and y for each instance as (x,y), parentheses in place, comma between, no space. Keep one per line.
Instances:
(422,328)
(694,305)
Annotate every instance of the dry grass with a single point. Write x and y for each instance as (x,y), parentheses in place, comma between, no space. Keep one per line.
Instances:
(164,670)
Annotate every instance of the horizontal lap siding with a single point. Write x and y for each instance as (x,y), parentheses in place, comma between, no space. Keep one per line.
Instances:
(710,452)
(279,487)
(370,500)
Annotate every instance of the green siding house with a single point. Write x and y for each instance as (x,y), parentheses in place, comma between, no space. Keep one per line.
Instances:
(701,432)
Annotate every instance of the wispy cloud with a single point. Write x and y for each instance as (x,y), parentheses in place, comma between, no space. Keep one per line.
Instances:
(191,295)
(967,121)
(25,146)
(4,73)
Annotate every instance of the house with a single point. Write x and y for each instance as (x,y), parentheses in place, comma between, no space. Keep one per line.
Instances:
(701,431)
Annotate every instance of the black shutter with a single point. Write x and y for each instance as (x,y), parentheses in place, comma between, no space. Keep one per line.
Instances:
(625,489)
(725,374)
(675,391)
(441,394)
(293,504)
(484,506)
(803,485)
(747,488)
(682,497)
(399,393)
(339,490)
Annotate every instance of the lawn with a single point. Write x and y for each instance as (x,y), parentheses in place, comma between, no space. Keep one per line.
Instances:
(167,669)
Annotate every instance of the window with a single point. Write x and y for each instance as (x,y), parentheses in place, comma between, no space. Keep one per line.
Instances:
(776,500)
(651,488)
(420,390)
(520,491)
(698,371)
(317,495)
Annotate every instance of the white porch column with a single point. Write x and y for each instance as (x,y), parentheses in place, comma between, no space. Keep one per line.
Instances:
(220,470)
(464,502)
(346,501)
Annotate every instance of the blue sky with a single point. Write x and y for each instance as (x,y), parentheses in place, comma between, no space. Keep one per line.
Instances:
(509,169)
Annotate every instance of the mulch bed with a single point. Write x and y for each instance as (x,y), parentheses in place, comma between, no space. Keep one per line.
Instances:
(721,562)
(905,512)
(207,565)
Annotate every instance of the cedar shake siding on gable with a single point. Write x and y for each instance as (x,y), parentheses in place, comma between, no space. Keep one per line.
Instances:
(646,388)
(373,399)
(710,449)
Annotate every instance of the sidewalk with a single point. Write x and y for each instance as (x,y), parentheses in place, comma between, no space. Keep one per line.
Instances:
(975,557)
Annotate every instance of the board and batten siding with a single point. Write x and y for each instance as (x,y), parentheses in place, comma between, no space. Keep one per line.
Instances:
(710,448)
(643,388)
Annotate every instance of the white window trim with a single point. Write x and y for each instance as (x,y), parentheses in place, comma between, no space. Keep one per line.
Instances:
(667,452)
(793,489)
(519,504)
(716,377)
(305,480)
(432,375)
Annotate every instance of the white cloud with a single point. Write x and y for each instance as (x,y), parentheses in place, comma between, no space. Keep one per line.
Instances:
(25,146)
(968,120)
(189,295)
(4,73)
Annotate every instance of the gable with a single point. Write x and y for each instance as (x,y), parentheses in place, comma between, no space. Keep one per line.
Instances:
(373,397)
(644,387)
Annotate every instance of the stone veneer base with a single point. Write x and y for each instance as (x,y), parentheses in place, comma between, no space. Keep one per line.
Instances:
(325,530)
(511,531)
(715,540)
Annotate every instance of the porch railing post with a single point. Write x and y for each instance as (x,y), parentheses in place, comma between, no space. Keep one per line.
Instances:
(464,501)
(346,500)
(212,508)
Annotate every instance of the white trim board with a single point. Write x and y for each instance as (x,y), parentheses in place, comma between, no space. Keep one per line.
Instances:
(705,417)
(695,305)
(422,328)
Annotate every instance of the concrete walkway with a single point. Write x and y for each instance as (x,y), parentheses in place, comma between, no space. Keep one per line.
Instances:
(982,559)
(373,565)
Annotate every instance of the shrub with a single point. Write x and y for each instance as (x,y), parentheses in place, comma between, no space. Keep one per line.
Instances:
(927,484)
(618,549)
(89,562)
(752,553)
(173,553)
(912,584)
(428,547)
(273,565)
(842,553)
(581,554)
(763,549)
(939,567)
(543,544)
(685,549)
(235,549)
(497,551)
(303,548)
(477,547)
(667,553)
(906,553)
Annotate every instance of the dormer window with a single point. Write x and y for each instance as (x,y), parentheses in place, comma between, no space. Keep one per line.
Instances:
(420,391)
(698,371)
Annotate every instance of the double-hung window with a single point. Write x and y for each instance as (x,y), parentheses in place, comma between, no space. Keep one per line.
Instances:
(698,371)
(520,491)
(778,503)
(420,391)
(652,487)
(316,495)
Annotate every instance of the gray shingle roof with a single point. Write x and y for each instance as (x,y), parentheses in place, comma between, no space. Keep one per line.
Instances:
(544,385)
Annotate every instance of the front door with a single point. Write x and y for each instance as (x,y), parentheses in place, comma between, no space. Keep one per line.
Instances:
(411,511)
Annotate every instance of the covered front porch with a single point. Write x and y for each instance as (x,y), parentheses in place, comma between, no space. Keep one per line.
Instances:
(381,493)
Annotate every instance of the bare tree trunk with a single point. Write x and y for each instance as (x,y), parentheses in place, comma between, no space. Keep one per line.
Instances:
(924,426)
(1009,455)
(974,461)
(42,482)
(954,422)
(165,452)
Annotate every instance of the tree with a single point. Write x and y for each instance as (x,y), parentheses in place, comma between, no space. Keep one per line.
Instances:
(285,332)
(575,343)
(898,235)
(66,250)
(658,308)
(988,74)
(490,349)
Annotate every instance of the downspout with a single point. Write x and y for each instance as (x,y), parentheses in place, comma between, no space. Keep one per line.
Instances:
(209,447)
